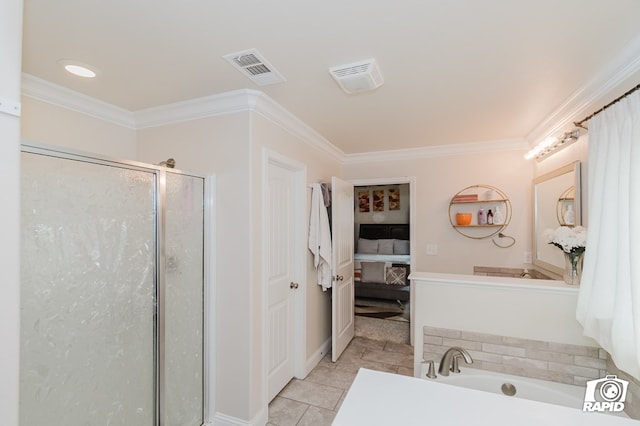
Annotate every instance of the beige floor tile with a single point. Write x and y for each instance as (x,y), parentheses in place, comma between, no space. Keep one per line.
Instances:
(401,360)
(354,350)
(340,402)
(326,361)
(316,399)
(400,348)
(322,396)
(331,377)
(286,412)
(354,364)
(405,371)
(316,416)
(364,342)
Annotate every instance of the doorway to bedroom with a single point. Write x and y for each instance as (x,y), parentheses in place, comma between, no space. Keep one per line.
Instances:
(382,259)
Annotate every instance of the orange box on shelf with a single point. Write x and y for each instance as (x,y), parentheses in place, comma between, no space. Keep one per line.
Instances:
(463,219)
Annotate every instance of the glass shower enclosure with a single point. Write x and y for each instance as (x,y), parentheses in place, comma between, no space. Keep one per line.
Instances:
(112,292)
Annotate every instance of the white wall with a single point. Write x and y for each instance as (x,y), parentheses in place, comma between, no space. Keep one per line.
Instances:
(437,180)
(10,58)
(220,145)
(531,309)
(320,168)
(231,146)
(43,122)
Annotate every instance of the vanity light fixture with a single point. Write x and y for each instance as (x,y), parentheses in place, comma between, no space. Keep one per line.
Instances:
(551,145)
(78,69)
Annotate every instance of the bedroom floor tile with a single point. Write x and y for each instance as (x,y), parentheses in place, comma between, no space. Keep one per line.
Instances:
(316,399)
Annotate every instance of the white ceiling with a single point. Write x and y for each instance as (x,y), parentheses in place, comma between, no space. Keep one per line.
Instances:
(455,71)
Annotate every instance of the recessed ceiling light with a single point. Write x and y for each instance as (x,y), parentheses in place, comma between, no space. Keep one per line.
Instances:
(79,69)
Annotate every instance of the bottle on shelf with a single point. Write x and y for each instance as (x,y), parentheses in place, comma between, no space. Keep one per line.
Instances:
(498,216)
(569,215)
(489,218)
(482,218)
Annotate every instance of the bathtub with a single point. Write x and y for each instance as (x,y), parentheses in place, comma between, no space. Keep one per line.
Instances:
(378,398)
(515,386)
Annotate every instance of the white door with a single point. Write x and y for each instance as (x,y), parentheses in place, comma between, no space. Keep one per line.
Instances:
(280,276)
(342,300)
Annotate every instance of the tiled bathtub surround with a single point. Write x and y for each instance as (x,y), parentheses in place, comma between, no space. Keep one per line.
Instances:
(557,362)
(493,271)
(632,403)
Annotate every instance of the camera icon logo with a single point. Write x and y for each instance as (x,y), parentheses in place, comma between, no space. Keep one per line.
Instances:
(607,394)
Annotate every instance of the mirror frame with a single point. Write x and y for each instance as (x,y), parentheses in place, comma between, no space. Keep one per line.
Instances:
(577,204)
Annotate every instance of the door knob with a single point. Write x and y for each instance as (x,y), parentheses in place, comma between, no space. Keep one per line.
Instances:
(293,285)
(339,277)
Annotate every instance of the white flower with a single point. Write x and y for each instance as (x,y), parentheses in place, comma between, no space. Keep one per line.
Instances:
(570,240)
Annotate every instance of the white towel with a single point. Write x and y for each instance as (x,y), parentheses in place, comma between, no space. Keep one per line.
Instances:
(320,237)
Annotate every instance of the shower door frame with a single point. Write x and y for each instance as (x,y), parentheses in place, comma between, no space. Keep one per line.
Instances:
(208,261)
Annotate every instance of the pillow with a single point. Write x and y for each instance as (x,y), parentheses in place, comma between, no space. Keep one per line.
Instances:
(400,246)
(357,274)
(385,246)
(372,272)
(396,275)
(367,246)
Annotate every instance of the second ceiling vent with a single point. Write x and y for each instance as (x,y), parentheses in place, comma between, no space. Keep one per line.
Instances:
(358,77)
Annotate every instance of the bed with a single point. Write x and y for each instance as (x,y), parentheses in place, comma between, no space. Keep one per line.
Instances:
(382,262)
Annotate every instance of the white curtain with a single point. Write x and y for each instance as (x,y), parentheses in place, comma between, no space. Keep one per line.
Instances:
(609,298)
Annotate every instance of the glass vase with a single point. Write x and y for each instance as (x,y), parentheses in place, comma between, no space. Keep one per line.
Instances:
(573,268)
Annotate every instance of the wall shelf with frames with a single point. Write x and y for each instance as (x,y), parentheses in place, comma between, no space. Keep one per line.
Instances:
(473,198)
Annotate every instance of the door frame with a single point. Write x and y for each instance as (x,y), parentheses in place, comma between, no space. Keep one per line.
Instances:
(299,170)
(411,180)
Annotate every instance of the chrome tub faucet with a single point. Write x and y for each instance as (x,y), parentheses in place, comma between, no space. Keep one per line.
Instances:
(449,361)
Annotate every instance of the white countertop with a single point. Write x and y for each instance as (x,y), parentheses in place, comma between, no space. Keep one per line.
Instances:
(490,281)
(377,398)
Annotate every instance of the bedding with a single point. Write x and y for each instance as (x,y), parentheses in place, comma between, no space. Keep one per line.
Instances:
(396,258)
(381,263)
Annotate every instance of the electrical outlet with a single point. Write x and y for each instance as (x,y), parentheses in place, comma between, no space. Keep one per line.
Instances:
(527,257)
(432,249)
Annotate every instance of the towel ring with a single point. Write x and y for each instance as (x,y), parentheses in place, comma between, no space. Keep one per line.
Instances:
(501,235)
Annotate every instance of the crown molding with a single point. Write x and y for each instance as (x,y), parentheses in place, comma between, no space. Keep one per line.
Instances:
(588,97)
(273,111)
(437,151)
(193,109)
(44,91)
(233,102)
(243,100)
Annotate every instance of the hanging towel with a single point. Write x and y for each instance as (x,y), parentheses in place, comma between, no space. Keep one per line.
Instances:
(326,194)
(320,237)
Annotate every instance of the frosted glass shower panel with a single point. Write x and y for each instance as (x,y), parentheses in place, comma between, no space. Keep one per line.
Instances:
(87,310)
(184,301)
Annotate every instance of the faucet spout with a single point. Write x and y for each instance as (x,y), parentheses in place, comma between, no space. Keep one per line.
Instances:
(449,361)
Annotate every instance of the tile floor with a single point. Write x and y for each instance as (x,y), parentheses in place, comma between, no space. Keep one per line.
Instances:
(316,399)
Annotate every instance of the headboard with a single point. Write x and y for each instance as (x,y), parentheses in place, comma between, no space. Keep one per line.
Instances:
(377,231)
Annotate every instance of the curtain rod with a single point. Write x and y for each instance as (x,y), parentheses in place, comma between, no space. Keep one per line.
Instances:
(589,117)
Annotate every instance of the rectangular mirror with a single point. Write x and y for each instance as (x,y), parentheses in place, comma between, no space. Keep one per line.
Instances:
(556,202)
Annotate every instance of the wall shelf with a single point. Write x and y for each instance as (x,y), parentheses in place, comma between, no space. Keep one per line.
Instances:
(473,198)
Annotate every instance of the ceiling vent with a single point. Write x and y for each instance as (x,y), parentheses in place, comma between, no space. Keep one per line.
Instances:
(358,77)
(255,67)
